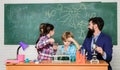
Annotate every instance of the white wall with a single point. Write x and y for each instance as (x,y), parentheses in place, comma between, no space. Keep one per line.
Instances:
(9,51)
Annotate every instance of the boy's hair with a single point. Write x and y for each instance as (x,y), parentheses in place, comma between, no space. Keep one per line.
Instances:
(66,35)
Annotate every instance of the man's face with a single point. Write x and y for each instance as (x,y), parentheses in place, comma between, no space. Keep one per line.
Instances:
(90,25)
(90,29)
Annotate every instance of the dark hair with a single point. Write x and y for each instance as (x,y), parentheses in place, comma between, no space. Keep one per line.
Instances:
(42,25)
(41,29)
(99,21)
(48,27)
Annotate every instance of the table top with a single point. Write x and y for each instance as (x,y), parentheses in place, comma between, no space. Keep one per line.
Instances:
(50,63)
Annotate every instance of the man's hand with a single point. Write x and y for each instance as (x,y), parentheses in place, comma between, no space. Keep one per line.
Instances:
(100,50)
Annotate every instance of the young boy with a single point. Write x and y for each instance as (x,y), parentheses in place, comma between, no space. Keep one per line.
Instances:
(69,47)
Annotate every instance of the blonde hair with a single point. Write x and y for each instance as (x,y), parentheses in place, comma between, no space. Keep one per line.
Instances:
(67,35)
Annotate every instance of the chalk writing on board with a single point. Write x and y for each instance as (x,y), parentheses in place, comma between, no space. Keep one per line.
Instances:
(22,20)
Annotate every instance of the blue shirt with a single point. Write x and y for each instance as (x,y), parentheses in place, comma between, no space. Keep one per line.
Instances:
(104,56)
(71,51)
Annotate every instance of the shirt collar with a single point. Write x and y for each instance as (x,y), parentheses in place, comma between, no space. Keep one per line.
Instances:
(96,36)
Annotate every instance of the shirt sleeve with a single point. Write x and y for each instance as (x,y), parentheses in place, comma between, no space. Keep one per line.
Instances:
(108,49)
(73,50)
(104,56)
(42,42)
(52,51)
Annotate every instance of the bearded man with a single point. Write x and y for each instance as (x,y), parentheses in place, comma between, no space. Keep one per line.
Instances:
(103,42)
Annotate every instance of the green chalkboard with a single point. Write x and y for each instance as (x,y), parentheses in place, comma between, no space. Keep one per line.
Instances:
(22,20)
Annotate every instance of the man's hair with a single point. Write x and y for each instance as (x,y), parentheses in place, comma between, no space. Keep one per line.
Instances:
(67,35)
(99,21)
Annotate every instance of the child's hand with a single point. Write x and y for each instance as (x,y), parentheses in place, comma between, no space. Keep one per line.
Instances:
(55,45)
(70,39)
(75,42)
(51,40)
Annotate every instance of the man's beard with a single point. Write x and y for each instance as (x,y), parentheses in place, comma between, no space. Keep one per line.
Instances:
(90,32)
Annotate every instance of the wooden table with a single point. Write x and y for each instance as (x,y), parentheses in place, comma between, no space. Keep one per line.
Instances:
(57,66)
